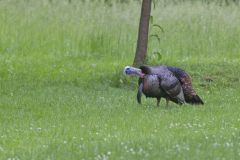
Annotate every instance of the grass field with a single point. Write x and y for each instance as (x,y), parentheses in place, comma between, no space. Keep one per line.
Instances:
(63,95)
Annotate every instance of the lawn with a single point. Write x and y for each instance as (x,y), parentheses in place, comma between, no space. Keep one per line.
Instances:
(63,94)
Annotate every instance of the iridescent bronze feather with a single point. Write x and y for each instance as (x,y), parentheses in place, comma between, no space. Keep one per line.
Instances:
(167,82)
(189,93)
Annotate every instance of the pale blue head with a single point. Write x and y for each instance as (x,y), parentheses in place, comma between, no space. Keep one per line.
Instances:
(128,70)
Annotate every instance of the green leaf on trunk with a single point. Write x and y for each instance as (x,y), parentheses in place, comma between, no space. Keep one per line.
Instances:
(158,26)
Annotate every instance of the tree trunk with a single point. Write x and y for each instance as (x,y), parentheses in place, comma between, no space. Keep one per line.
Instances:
(141,50)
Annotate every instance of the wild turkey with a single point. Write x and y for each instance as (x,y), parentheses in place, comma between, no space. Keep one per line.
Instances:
(171,83)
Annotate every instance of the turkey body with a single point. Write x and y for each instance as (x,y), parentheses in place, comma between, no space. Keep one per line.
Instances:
(151,87)
(167,82)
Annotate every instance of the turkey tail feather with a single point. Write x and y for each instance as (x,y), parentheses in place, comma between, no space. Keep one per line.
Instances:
(195,100)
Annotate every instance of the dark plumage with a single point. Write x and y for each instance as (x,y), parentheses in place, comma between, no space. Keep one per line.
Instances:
(158,83)
(172,82)
(189,94)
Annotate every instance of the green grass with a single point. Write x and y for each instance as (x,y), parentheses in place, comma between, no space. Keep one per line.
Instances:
(63,95)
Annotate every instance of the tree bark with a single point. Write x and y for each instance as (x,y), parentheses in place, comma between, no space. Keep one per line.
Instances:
(142,42)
